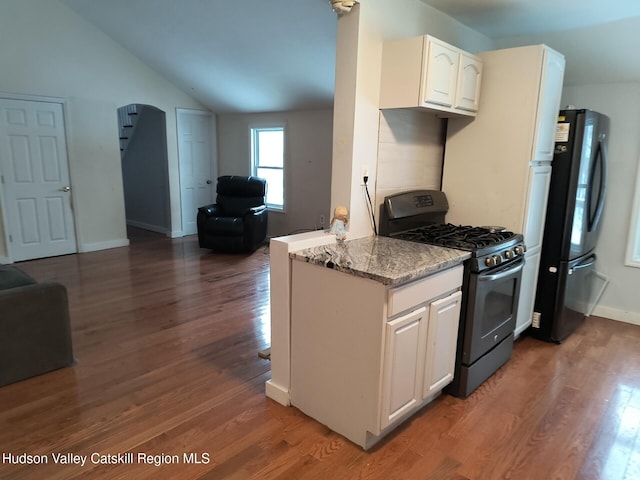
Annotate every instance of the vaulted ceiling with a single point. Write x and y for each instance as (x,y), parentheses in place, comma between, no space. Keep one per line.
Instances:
(509,18)
(275,55)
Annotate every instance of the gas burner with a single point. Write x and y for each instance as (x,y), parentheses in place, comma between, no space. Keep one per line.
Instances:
(456,236)
(489,248)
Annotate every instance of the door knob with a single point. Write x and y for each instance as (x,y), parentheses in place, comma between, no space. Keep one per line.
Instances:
(208,182)
(65,189)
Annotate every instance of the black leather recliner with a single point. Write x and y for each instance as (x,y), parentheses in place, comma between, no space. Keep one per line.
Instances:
(237,222)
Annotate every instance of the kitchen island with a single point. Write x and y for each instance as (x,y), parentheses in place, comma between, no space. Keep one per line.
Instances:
(374,325)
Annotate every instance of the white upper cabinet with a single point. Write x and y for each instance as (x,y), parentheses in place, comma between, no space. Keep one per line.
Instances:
(548,102)
(441,74)
(468,87)
(424,72)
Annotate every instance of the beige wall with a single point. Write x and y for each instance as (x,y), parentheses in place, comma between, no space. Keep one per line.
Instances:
(47,50)
(308,163)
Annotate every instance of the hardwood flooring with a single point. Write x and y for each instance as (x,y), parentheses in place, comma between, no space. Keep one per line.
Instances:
(167,338)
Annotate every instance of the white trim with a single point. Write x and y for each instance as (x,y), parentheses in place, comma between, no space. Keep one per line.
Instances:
(619,315)
(285,166)
(633,241)
(176,234)
(5,261)
(32,98)
(278,393)
(94,247)
(204,113)
(3,216)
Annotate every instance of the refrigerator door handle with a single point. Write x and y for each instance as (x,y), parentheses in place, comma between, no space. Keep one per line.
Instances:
(601,158)
(584,264)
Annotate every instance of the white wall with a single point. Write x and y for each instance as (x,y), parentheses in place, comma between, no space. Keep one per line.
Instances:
(47,50)
(358,62)
(307,167)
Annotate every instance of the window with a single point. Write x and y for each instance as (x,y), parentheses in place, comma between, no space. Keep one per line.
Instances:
(267,161)
(633,243)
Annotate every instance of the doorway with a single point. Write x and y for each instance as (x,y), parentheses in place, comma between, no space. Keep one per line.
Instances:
(196,153)
(35,192)
(145,167)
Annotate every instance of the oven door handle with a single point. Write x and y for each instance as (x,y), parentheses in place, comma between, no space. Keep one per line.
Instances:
(502,274)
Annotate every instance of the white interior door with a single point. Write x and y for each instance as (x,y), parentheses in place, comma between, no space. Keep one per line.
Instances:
(35,180)
(195,149)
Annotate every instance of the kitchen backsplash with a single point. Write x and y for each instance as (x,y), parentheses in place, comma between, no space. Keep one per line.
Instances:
(410,152)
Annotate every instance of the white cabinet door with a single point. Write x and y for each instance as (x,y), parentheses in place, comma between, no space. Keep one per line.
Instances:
(444,318)
(404,346)
(537,196)
(548,105)
(440,73)
(468,89)
(527,291)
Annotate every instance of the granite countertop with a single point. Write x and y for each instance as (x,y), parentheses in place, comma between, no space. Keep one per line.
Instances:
(386,260)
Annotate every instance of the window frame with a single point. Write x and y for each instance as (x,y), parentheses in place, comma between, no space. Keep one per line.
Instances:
(632,257)
(253,130)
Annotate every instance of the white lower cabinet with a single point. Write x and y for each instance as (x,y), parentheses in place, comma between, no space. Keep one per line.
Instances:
(419,357)
(444,315)
(364,356)
(405,346)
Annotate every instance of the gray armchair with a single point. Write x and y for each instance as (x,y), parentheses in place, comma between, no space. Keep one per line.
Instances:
(35,332)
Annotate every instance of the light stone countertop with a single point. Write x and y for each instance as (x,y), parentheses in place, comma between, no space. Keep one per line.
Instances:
(386,260)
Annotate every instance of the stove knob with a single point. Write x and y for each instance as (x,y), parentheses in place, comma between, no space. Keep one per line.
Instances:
(520,249)
(493,260)
(509,254)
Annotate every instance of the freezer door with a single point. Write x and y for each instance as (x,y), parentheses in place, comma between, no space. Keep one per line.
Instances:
(574,296)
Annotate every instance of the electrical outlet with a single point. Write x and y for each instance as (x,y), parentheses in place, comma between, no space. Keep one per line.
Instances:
(535,320)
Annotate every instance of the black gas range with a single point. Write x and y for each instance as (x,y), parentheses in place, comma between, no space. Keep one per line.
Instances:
(491,284)
(489,246)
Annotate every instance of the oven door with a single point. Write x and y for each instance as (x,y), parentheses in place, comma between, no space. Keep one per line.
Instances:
(492,304)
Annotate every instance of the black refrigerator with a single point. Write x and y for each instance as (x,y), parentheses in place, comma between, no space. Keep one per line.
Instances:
(574,213)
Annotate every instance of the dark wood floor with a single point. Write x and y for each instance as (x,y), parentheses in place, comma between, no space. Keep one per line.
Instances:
(167,335)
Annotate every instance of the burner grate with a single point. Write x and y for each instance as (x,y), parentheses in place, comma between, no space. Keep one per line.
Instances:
(456,236)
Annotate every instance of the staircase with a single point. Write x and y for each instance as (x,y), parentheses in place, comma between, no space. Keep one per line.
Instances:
(127,120)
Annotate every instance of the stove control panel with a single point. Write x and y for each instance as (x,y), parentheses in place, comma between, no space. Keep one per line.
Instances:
(504,256)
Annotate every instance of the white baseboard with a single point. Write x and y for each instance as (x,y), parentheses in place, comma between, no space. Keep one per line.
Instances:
(277,393)
(94,247)
(5,260)
(176,234)
(619,315)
